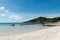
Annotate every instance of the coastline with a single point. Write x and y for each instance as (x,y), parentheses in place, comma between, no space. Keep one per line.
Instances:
(51,33)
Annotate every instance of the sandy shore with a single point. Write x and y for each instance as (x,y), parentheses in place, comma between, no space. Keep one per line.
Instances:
(52,33)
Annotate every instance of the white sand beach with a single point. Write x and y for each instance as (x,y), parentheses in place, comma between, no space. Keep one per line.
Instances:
(51,33)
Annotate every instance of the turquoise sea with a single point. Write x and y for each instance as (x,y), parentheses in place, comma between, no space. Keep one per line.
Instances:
(12,28)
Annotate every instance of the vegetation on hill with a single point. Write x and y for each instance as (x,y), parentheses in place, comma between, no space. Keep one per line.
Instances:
(43,20)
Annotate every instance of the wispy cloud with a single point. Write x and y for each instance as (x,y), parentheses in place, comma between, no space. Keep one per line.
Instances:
(8,14)
(15,17)
(3,11)
(6,11)
(3,14)
(2,8)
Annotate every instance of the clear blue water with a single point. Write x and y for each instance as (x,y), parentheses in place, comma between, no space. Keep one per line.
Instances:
(6,28)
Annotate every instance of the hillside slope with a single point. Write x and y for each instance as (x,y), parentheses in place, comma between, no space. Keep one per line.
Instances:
(44,20)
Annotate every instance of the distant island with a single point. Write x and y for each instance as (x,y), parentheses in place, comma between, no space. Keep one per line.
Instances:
(43,20)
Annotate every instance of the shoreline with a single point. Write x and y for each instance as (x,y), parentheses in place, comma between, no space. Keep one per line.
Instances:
(28,31)
(43,34)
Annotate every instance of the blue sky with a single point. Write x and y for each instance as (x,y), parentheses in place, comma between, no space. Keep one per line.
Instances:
(23,10)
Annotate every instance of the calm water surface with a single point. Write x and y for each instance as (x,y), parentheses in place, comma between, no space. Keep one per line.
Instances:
(6,29)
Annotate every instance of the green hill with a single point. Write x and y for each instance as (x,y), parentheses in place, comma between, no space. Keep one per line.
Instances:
(43,20)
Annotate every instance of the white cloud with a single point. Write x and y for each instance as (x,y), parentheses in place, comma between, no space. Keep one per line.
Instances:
(3,11)
(9,15)
(3,14)
(2,8)
(15,17)
(6,11)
